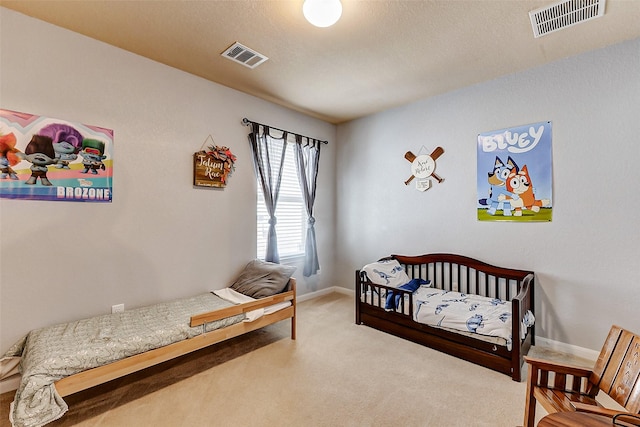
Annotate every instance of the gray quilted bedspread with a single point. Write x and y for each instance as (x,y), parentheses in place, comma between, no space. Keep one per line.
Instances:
(52,353)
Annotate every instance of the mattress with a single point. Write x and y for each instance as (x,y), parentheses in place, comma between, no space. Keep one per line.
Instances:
(458,326)
(473,314)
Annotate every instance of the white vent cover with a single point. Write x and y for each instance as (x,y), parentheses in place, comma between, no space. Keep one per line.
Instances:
(564,14)
(243,55)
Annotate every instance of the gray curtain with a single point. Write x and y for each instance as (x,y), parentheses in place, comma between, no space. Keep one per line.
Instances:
(268,160)
(307,159)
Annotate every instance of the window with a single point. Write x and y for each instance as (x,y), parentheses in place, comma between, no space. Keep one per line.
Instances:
(290,212)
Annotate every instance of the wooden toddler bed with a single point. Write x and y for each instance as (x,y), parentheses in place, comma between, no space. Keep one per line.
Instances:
(63,359)
(392,308)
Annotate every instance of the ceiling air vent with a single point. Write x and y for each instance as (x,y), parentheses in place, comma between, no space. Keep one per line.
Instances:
(564,14)
(243,55)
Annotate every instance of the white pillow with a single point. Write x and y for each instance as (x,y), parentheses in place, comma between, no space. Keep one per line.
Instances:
(387,272)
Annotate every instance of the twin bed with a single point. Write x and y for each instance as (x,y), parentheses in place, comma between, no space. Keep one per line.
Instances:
(63,359)
(452,303)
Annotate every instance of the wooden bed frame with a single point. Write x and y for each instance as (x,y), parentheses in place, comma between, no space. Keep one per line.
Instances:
(93,377)
(462,274)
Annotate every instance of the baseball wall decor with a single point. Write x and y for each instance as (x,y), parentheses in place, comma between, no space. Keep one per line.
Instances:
(423,167)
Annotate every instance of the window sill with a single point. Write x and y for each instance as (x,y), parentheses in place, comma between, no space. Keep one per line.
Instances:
(290,259)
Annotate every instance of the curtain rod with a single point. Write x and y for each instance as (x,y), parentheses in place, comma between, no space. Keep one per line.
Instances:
(247,122)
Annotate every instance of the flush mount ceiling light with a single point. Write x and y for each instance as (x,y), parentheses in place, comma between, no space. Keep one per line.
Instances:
(322,13)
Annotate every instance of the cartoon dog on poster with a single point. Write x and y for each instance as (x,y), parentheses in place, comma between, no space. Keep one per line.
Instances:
(498,188)
(521,192)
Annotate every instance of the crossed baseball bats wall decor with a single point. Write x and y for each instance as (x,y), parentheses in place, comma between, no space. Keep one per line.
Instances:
(423,166)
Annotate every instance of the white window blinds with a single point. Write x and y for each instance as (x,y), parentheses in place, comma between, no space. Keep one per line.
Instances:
(290,213)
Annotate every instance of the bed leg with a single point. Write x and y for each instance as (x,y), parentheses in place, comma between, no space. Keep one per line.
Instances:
(358,293)
(295,304)
(516,375)
(293,327)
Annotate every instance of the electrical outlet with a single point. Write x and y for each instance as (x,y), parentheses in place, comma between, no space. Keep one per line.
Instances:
(118,308)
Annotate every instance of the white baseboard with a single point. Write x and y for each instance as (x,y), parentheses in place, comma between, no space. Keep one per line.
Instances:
(573,350)
(323,292)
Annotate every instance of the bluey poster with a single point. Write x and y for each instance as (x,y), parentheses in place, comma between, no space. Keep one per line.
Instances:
(515,174)
(50,159)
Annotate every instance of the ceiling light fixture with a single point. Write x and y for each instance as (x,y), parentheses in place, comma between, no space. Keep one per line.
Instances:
(322,13)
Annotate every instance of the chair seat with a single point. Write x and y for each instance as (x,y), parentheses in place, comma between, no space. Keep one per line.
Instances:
(560,401)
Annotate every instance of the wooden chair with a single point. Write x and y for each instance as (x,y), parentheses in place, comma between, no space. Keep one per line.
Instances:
(559,387)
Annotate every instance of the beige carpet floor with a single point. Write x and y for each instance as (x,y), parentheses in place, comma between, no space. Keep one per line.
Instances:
(335,374)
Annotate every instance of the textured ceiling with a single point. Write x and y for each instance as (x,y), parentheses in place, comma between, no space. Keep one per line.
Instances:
(380,54)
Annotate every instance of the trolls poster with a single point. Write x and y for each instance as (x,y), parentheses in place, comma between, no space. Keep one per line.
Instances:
(50,159)
(515,174)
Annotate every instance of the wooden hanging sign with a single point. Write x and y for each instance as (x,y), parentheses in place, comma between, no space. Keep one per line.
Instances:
(212,167)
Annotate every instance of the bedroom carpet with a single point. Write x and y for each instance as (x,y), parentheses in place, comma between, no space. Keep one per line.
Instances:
(335,374)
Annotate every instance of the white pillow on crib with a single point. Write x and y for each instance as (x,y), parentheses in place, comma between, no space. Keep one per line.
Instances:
(386,272)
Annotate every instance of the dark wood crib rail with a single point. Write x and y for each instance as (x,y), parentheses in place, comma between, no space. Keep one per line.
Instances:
(456,273)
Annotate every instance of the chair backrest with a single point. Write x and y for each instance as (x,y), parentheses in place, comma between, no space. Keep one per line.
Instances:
(617,370)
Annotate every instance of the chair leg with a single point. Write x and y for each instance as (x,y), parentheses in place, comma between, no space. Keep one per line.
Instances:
(530,413)
(530,402)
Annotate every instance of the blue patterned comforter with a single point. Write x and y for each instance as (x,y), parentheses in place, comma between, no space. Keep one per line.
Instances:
(465,312)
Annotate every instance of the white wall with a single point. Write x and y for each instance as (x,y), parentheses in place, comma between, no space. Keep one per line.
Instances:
(587,260)
(160,238)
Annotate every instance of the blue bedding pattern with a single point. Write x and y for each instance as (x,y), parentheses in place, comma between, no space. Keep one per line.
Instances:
(464,312)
